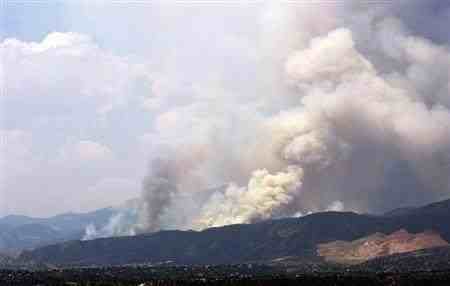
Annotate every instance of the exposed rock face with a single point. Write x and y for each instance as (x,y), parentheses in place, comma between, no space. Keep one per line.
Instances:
(378,245)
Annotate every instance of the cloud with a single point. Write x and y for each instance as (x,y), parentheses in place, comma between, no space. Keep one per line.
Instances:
(109,192)
(86,151)
(15,150)
(57,92)
(67,65)
(15,154)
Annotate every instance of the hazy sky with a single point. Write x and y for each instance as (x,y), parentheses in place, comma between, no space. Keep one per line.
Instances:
(86,85)
(82,83)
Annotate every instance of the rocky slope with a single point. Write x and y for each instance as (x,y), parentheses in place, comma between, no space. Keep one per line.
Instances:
(377,245)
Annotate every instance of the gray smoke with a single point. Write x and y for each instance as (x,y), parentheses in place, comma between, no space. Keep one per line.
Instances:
(158,188)
(356,116)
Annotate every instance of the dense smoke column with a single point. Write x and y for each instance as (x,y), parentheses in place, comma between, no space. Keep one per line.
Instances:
(158,187)
(354,115)
(352,125)
(265,197)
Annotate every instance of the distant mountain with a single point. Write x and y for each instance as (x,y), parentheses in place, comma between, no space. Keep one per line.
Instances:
(265,241)
(400,211)
(23,232)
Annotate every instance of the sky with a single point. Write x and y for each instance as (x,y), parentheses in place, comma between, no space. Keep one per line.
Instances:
(92,91)
(80,90)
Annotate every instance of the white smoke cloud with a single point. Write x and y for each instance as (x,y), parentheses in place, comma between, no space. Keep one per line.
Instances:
(121,224)
(349,112)
(330,60)
(263,198)
(356,120)
(292,115)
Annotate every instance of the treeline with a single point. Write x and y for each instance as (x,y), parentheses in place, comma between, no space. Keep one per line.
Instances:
(43,278)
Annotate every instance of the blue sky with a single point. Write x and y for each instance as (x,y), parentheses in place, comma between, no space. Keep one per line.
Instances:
(31,21)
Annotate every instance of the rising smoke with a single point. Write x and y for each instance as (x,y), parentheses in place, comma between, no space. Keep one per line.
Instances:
(358,119)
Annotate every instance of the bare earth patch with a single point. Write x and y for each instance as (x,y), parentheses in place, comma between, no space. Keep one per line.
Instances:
(377,245)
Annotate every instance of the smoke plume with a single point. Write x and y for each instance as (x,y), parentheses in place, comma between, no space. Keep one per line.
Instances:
(358,118)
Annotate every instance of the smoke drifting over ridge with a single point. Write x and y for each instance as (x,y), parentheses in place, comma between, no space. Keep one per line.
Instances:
(359,116)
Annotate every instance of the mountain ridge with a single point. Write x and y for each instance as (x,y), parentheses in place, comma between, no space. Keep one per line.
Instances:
(18,232)
(261,241)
